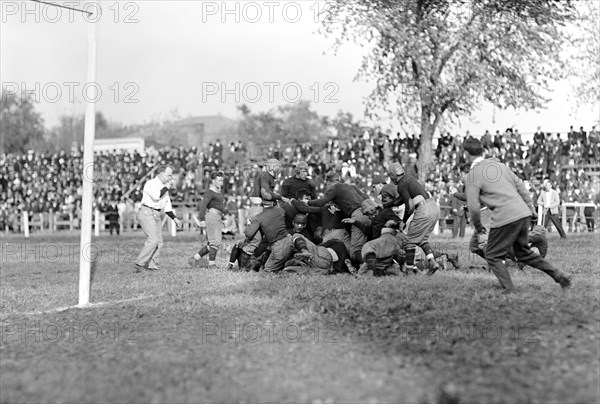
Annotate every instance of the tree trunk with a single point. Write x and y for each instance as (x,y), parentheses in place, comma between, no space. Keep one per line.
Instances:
(425,152)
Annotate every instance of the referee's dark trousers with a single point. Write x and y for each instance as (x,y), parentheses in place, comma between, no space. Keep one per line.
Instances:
(555,221)
(515,235)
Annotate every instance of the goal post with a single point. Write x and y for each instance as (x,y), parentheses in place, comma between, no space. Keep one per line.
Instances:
(86,255)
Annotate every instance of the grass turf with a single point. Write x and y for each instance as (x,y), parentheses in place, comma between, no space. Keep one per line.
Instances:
(193,335)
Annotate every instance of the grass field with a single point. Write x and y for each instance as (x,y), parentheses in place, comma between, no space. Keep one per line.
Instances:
(180,335)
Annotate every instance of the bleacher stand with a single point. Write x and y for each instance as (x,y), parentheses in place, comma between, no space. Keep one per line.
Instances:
(48,185)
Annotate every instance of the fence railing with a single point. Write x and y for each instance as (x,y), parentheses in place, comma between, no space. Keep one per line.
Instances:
(571,215)
(51,222)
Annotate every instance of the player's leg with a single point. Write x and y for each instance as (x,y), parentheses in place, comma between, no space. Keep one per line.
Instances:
(500,240)
(149,226)
(525,255)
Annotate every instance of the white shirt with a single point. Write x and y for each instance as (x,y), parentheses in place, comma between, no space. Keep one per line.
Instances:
(152,198)
(550,200)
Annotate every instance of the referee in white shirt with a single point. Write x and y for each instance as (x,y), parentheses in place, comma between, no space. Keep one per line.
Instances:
(155,204)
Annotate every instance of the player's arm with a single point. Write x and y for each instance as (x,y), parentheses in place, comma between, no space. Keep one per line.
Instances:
(154,191)
(268,194)
(265,190)
(474,205)
(521,190)
(285,189)
(365,227)
(408,207)
(252,229)
(392,219)
(392,203)
(461,196)
(360,192)
(328,197)
(169,212)
(204,205)
(524,195)
(312,187)
(304,208)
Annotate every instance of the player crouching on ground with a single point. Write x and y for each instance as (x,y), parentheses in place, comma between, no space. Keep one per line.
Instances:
(384,255)
(311,259)
(271,223)
(538,243)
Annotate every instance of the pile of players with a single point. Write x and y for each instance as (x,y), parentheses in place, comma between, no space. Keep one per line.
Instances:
(345,231)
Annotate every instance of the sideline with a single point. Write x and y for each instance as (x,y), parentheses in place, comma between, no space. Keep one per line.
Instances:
(76,306)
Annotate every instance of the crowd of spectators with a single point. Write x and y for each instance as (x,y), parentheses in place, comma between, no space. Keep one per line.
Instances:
(53,181)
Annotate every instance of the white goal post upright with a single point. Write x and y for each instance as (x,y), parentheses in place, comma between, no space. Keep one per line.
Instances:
(86,254)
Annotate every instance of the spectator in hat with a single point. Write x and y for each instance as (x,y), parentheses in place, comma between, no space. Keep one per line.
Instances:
(113,216)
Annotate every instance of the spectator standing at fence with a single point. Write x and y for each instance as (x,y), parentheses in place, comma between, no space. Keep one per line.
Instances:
(113,216)
(212,209)
(155,204)
(590,211)
(550,200)
(493,184)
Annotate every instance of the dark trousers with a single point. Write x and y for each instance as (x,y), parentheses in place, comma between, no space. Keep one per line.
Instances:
(555,222)
(115,226)
(515,235)
(459,223)
(590,221)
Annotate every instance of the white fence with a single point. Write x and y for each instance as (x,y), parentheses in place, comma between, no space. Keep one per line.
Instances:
(577,217)
(52,222)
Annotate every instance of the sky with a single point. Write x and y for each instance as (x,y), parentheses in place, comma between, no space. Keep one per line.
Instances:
(161,59)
